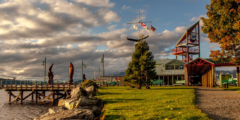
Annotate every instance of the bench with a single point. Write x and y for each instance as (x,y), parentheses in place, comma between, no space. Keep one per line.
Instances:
(156,82)
(180,82)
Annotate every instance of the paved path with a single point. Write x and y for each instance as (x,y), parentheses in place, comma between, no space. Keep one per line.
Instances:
(219,104)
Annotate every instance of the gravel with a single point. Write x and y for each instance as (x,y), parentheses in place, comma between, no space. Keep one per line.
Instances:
(218,104)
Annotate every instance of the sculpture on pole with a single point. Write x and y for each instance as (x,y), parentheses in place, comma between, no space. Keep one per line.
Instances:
(71,71)
(50,75)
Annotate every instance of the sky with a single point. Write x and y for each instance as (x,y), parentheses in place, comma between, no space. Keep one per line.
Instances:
(66,31)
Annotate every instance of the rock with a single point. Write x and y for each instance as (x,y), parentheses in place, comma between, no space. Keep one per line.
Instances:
(71,103)
(91,91)
(82,114)
(55,109)
(42,116)
(78,92)
(61,102)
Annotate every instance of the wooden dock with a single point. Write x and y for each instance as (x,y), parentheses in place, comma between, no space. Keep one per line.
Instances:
(38,91)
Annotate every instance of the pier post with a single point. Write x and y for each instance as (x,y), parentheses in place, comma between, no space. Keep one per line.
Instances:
(9,96)
(32,96)
(21,97)
(53,96)
(43,94)
(36,96)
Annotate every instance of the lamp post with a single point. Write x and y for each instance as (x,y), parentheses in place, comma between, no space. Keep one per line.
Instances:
(44,63)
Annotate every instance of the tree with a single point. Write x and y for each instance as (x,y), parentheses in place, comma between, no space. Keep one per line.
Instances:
(142,65)
(223,27)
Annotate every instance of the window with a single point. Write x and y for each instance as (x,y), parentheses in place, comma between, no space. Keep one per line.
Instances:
(181,66)
(169,67)
(176,67)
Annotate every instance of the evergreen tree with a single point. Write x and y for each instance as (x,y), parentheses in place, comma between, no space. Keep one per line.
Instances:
(142,65)
(223,27)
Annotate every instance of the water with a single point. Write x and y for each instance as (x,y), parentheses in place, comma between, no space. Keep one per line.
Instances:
(16,111)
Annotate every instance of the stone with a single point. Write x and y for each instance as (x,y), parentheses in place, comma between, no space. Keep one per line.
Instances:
(61,102)
(82,114)
(55,109)
(78,92)
(71,103)
(91,90)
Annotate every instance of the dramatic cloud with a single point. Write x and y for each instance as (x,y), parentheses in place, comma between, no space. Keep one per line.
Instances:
(66,31)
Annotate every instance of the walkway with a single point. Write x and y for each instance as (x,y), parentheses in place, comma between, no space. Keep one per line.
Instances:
(219,104)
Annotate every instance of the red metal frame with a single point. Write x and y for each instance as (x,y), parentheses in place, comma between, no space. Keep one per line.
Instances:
(184,50)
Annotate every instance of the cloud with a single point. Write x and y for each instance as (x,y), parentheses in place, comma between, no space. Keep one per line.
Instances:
(181,29)
(64,31)
(124,7)
(112,27)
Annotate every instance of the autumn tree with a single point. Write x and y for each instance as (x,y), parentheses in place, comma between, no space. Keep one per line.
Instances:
(223,27)
(142,65)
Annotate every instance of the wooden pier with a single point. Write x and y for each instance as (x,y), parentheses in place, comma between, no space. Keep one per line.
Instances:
(38,91)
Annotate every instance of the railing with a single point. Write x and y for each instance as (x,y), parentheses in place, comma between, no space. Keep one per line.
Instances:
(181,50)
(30,83)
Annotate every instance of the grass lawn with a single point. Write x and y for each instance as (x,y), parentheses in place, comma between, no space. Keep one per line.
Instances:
(232,88)
(158,103)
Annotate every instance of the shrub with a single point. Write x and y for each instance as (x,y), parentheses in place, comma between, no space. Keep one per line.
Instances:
(88,83)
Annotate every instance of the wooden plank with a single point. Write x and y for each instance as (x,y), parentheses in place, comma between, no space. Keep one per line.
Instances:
(27,96)
(16,97)
(186,76)
(9,96)
(36,96)
(47,97)
(21,97)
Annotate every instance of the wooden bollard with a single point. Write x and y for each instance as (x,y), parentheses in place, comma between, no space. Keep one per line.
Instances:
(75,84)
(57,85)
(36,85)
(9,96)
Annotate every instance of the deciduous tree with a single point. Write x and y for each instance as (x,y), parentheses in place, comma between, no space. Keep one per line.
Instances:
(223,27)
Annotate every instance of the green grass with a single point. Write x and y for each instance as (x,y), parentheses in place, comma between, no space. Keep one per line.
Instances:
(157,103)
(232,88)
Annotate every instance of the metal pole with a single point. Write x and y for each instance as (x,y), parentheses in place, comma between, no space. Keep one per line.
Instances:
(82,70)
(103,66)
(139,26)
(45,70)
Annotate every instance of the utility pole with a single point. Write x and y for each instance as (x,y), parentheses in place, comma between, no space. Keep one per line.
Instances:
(98,72)
(82,70)
(103,66)
(45,69)
(44,63)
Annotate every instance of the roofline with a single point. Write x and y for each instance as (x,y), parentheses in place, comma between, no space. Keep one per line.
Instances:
(199,58)
(174,60)
(186,33)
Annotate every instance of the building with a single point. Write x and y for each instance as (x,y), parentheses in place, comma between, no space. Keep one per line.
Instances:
(170,70)
(203,71)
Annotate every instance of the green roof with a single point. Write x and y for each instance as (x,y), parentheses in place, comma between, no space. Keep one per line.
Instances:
(160,67)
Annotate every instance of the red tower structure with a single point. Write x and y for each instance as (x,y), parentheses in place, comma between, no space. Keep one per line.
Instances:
(189,44)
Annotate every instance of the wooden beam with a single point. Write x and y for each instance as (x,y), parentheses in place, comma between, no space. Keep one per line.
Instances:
(17,97)
(186,76)
(27,96)
(36,96)
(21,97)
(48,97)
(9,96)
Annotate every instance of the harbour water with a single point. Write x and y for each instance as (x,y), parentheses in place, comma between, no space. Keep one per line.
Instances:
(16,111)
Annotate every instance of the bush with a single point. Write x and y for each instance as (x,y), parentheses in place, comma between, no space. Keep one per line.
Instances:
(88,83)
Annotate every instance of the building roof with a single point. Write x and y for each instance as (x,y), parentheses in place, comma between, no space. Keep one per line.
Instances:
(188,31)
(160,67)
